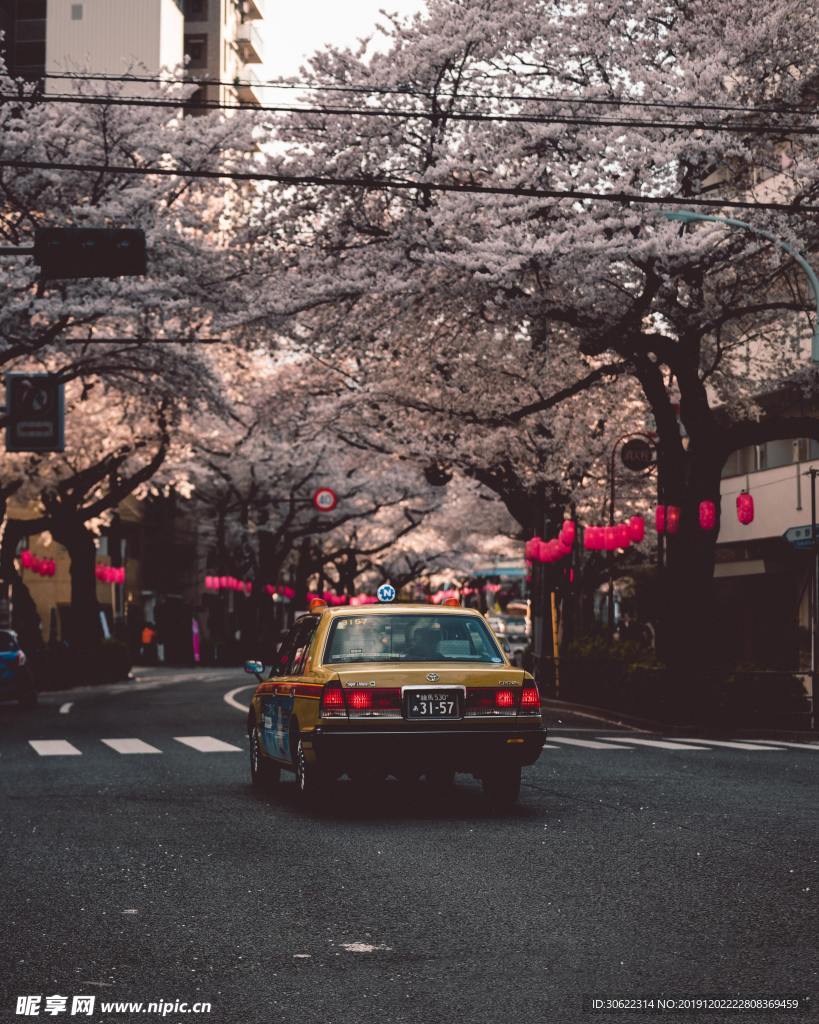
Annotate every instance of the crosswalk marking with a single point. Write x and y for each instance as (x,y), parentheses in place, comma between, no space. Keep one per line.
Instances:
(131,746)
(206,744)
(54,748)
(734,745)
(662,744)
(591,744)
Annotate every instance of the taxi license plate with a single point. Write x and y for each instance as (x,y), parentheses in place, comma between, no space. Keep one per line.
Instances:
(433,704)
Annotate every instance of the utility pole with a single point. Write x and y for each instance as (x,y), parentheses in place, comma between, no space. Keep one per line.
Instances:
(814,593)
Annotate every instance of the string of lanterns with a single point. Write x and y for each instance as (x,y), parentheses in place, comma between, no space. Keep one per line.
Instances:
(40,566)
(110,573)
(622,535)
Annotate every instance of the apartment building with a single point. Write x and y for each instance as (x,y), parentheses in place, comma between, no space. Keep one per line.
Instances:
(221,40)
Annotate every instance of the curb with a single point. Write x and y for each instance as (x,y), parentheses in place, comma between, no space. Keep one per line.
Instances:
(645,725)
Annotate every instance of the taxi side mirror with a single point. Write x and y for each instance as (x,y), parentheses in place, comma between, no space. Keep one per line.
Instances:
(506,647)
(254,668)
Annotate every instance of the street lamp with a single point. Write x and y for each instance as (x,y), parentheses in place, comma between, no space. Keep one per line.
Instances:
(688,216)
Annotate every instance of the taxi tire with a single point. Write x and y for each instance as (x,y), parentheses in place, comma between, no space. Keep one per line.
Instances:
(311,781)
(263,773)
(501,785)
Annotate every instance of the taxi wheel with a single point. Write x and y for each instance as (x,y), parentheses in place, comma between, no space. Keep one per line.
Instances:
(263,774)
(310,780)
(501,785)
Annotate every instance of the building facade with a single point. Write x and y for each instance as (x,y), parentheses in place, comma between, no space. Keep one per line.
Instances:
(221,41)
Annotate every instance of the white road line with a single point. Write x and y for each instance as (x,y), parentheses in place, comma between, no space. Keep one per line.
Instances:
(662,744)
(131,746)
(65,708)
(230,697)
(591,744)
(732,744)
(550,746)
(206,744)
(796,746)
(54,748)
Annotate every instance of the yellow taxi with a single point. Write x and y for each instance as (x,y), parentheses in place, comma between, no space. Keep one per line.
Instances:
(394,689)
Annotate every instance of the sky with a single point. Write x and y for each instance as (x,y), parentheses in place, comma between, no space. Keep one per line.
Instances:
(294,30)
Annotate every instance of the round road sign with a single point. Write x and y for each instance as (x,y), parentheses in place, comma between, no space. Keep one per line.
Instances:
(637,455)
(325,499)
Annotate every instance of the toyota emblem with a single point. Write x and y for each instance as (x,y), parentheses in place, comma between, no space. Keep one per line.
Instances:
(433,677)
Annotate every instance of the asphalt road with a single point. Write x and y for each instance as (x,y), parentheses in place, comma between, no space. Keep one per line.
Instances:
(627,870)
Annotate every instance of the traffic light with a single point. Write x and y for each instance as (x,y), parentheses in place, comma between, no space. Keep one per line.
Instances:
(90,252)
(35,411)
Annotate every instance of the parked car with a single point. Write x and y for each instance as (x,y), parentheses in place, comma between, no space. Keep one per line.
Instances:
(511,630)
(16,680)
(404,690)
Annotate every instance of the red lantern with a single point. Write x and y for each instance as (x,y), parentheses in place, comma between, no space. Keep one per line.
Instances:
(609,538)
(672,519)
(659,519)
(636,529)
(622,535)
(745,508)
(567,533)
(592,538)
(26,558)
(708,515)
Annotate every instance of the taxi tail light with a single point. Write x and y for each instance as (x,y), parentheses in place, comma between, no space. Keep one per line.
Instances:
(490,700)
(332,703)
(530,699)
(375,702)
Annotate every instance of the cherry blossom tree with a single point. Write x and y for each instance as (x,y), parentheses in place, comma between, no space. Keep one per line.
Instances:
(590,117)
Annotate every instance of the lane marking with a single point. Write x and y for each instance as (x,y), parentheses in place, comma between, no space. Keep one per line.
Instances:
(65,708)
(54,748)
(796,746)
(662,744)
(131,746)
(591,744)
(550,746)
(733,745)
(229,698)
(207,744)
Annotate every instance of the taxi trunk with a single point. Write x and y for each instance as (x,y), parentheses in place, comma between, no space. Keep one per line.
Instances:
(405,718)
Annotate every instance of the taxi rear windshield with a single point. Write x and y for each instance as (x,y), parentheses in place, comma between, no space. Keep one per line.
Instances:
(408,638)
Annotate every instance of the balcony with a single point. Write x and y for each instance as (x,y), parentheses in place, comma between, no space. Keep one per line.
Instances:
(249,43)
(253,10)
(247,88)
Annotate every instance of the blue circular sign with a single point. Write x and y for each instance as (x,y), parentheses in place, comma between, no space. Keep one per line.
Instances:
(386,592)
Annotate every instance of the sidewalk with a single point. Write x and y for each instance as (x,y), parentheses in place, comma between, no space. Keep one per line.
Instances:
(614,718)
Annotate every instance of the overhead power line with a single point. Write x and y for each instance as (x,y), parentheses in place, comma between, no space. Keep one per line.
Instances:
(281,83)
(385,184)
(429,115)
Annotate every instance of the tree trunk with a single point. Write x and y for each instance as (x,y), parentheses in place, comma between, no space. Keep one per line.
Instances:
(86,631)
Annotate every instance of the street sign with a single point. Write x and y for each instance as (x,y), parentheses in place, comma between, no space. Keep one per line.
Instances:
(325,499)
(63,253)
(637,455)
(799,537)
(35,408)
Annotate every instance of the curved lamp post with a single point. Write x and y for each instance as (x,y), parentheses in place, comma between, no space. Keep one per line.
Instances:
(687,216)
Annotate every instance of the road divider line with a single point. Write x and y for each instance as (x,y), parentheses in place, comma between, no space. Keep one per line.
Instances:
(131,746)
(65,708)
(796,746)
(54,748)
(661,744)
(207,744)
(230,697)
(591,744)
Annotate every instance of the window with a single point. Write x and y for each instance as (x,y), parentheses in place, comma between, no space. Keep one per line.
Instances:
(291,658)
(196,10)
(76,12)
(31,9)
(196,50)
(410,638)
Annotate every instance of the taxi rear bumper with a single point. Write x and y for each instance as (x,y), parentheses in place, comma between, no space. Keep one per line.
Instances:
(464,749)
